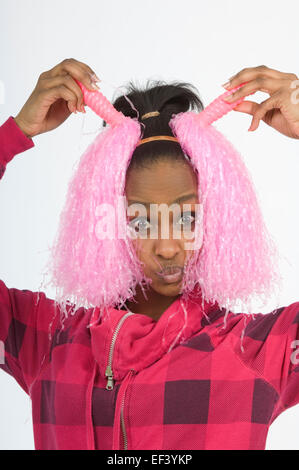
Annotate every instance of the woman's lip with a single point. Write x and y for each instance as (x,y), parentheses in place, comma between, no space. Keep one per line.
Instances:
(171,278)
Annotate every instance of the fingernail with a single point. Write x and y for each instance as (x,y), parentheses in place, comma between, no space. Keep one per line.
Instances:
(94,86)
(226,85)
(229,97)
(95,78)
(251,126)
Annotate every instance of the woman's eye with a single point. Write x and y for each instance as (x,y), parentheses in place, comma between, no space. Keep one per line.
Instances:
(139,225)
(187,218)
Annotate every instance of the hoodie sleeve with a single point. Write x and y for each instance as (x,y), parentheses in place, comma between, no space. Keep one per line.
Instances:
(12,142)
(26,320)
(25,316)
(270,346)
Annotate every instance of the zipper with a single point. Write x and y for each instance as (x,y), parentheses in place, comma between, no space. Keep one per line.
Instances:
(122,419)
(123,426)
(109,371)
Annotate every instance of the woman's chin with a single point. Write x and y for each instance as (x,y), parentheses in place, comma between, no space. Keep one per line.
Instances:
(168,290)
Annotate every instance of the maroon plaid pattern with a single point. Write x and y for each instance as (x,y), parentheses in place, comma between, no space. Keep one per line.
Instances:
(205,394)
(218,389)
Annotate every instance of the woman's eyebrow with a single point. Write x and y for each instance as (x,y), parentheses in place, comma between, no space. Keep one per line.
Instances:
(180,199)
(186,197)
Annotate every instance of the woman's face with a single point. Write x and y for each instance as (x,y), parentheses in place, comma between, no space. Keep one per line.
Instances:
(168,183)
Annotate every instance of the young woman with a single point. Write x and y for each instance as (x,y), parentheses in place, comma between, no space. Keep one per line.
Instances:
(125,382)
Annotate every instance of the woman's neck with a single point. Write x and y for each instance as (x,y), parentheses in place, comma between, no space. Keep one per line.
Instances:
(154,307)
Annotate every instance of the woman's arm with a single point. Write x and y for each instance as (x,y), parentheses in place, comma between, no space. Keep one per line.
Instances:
(269,346)
(280,110)
(26,317)
(54,98)
(24,332)
(12,142)
(270,343)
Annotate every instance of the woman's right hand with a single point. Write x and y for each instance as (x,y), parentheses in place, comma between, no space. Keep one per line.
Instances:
(55,97)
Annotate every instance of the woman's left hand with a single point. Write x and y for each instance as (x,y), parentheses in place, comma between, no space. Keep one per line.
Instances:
(281,110)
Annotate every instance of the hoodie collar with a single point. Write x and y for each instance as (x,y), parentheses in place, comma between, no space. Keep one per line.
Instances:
(132,341)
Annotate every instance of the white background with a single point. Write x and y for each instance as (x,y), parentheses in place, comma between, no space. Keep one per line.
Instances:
(202,42)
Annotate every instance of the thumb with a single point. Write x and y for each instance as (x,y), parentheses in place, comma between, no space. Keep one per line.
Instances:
(247,107)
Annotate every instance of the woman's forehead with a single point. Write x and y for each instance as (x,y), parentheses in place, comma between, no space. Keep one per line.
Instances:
(162,181)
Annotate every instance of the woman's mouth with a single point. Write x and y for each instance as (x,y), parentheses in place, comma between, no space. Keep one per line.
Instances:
(171,274)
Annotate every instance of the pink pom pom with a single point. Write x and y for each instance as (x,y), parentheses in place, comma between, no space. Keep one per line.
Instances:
(86,270)
(238,260)
(219,107)
(101,106)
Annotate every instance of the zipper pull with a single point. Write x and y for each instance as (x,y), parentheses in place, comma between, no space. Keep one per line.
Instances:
(109,375)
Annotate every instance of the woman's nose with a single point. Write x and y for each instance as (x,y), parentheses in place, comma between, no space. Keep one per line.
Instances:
(167,249)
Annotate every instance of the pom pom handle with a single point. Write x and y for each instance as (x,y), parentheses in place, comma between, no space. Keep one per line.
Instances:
(101,106)
(219,107)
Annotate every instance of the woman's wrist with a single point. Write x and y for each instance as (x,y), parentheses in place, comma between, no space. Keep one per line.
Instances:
(22,127)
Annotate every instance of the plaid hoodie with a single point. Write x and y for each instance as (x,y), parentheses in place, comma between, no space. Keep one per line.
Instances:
(113,384)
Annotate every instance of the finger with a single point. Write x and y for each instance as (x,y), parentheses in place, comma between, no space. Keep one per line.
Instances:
(87,68)
(263,108)
(247,107)
(267,85)
(250,73)
(81,72)
(70,83)
(61,91)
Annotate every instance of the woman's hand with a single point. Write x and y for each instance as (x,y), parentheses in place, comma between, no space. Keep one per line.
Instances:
(281,110)
(55,97)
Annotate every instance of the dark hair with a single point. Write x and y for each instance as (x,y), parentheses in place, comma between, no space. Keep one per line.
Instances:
(168,99)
